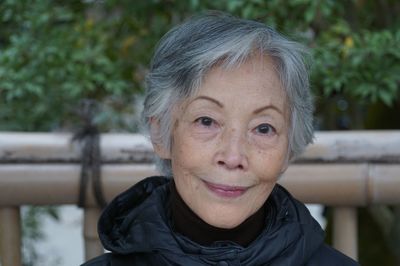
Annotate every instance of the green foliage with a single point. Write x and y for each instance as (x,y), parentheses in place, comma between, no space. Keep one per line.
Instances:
(54,53)
(365,66)
(50,59)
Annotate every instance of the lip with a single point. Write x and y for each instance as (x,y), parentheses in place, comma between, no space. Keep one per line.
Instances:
(226,191)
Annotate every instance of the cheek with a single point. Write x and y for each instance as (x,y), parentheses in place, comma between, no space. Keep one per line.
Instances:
(268,164)
(185,158)
(186,182)
(190,149)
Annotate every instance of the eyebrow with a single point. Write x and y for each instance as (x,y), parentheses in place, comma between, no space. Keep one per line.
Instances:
(209,99)
(257,111)
(269,106)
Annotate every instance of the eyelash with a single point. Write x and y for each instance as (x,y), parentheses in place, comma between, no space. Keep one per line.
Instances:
(208,122)
(271,129)
(201,120)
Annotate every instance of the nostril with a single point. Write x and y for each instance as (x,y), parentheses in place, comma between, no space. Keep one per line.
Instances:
(238,166)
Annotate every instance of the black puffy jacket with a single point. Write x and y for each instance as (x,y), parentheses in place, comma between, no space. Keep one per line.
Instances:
(136,229)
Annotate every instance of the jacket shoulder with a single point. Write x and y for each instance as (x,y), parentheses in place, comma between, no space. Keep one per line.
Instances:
(137,259)
(102,260)
(328,256)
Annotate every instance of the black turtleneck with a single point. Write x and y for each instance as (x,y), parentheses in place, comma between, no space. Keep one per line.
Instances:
(187,223)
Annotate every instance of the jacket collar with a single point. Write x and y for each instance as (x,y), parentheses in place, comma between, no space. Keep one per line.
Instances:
(138,221)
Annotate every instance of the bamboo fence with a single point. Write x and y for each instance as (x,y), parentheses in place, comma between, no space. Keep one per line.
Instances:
(344,170)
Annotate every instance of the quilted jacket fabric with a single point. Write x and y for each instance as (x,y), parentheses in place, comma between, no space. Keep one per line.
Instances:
(135,227)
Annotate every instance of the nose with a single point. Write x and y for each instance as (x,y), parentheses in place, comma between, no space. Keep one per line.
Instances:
(231,154)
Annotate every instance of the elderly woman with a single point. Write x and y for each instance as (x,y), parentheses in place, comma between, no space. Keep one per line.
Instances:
(227,108)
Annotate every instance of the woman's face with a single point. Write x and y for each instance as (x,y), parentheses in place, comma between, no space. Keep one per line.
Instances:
(230,143)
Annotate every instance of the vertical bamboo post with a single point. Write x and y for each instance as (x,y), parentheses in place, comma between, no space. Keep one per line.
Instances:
(93,246)
(345,231)
(10,236)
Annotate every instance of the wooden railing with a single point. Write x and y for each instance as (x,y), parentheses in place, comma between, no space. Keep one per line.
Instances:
(342,169)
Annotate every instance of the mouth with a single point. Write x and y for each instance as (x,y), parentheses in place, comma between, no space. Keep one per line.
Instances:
(226,191)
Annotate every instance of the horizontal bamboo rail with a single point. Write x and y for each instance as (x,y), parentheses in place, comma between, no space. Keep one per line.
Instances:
(331,184)
(341,169)
(331,146)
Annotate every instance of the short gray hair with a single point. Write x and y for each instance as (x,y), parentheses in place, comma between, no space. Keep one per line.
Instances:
(187,52)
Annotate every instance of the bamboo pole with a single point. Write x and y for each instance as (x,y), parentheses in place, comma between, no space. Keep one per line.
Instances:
(58,147)
(332,146)
(93,246)
(329,184)
(47,184)
(10,236)
(345,231)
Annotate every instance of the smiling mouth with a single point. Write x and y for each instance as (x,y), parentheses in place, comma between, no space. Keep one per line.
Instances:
(226,191)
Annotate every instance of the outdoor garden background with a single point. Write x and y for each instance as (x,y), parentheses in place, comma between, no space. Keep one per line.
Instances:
(53,54)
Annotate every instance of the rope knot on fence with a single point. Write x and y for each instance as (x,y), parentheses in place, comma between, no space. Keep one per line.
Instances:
(91,153)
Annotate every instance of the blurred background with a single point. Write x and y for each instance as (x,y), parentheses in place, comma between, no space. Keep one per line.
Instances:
(53,54)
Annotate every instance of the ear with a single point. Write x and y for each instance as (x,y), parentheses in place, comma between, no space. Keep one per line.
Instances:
(158,146)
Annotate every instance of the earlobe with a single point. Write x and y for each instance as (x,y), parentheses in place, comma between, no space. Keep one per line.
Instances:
(155,136)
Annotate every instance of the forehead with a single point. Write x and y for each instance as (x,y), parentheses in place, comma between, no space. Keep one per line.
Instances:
(255,81)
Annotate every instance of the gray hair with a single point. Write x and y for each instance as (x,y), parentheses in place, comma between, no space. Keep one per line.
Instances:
(187,52)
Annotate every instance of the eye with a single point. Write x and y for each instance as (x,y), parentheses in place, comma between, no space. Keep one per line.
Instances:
(205,121)
(265,129)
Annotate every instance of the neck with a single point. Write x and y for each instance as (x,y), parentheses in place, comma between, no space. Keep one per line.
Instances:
(187,223)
